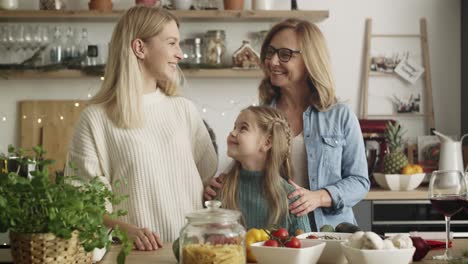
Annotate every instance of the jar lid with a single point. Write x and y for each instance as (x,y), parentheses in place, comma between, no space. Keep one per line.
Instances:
(213,214)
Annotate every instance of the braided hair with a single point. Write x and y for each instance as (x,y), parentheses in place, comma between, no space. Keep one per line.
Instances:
(278,164)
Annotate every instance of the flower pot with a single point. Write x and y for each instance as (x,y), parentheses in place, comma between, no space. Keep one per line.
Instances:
(101,5)
(182,4)
(47,248)
(233,4)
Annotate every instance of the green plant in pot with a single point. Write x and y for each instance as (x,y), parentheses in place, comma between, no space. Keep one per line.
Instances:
(56,220)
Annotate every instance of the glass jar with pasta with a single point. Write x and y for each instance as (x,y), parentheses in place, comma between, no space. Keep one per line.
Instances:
(212,236)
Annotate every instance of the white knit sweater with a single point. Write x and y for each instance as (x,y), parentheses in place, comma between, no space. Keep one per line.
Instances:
(164,163)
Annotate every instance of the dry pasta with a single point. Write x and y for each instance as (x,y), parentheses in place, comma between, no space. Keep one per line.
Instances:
(213,254)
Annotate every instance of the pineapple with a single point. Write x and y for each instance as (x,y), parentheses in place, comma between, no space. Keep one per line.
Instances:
(395,160)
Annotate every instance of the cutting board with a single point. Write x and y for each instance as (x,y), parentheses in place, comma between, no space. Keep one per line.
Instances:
(49,123)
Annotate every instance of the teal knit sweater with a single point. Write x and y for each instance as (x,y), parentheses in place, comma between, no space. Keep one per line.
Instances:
(255,207)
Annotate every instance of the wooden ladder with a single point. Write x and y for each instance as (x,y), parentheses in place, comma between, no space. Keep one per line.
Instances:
(429,110)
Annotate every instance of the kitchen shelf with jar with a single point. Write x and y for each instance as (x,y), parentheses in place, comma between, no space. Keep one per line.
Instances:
(186,15)
(67,73)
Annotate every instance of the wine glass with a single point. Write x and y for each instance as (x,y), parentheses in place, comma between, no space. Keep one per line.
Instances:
(447,192)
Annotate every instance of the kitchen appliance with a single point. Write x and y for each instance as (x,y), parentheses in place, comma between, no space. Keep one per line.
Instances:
(403,216)
(451,157)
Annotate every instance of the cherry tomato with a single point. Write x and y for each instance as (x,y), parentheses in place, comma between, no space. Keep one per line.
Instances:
(281,234)
(271,243)
(312,237)
(293,243)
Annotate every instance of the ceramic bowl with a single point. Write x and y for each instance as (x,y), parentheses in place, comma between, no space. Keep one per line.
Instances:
(377,256)
(399,182)
(309,253)
(332,254)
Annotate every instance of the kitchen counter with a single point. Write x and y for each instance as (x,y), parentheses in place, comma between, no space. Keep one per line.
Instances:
(377,193)
(165,256)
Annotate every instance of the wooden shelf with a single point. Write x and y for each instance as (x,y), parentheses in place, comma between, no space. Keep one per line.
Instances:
(196,15)
(401,115)
(382,74)
(68,74)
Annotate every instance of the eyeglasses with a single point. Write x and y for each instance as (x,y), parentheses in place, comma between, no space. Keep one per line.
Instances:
(284,54)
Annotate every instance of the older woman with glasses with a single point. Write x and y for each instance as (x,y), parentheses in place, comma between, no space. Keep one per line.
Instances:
(330,169)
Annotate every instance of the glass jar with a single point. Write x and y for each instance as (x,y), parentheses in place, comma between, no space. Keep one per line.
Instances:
(212,235)
(215,47)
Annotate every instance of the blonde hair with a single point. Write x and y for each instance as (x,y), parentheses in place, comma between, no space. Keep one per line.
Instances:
(315,54)
(122,89)
(278,164)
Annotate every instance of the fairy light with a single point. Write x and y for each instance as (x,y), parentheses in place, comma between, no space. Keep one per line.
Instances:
(4,119)
(61,117)
(39,120)
(89,95)
(204,110)
(77,104)
(102,78)
(223,114)
(24,117)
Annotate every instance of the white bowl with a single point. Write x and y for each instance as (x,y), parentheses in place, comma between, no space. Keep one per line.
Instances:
(378,256)
(332,253)
(309,253)
(399,182)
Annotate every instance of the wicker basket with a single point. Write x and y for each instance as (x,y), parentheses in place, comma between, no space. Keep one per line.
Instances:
(47,248)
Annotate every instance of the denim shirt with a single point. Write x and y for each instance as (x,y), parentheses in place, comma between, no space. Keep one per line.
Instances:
(336,161)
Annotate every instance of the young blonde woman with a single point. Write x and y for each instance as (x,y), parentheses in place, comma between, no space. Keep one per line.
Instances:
(257,183)
(327,145)
(136,129)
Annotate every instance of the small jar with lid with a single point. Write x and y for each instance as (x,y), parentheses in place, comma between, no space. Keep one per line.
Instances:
(212,235)
(215,47)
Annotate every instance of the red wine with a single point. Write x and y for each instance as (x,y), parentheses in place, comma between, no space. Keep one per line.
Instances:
(448,206)
(464,202)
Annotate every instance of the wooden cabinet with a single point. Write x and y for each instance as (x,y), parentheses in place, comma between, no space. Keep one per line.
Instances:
(183,15)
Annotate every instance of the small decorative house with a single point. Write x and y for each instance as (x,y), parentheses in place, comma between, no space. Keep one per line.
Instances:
(246,57)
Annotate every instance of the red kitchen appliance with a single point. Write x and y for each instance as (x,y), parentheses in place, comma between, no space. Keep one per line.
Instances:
(374,130)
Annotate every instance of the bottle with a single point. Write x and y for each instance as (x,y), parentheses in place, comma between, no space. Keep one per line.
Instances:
(56,50)
(213,234)
(83,46)
(198,54)
(70,50)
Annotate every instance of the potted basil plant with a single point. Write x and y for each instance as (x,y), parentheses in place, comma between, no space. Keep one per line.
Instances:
(55,219)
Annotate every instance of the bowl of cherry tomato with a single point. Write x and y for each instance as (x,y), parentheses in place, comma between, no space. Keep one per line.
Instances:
(291,251)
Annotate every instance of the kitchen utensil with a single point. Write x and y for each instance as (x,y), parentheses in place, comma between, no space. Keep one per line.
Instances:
(450,152)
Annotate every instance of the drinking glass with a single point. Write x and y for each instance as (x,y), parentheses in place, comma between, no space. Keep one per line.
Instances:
(447,192)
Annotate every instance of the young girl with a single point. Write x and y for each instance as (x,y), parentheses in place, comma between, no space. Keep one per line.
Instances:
(257,184)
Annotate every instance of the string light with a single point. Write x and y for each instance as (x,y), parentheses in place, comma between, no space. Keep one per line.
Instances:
(24,117)
(39,120)
(204,110)
(4,119)
(102,78)
(61,117)
(77,104)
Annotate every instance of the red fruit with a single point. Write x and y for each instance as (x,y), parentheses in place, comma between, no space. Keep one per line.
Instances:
(312,237)
(271,243)
(293,243)
(282,234)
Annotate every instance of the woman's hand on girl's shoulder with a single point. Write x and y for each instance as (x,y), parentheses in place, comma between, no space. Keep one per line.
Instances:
(215,184)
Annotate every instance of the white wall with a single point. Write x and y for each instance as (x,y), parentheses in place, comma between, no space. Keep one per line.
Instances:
(344,30)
